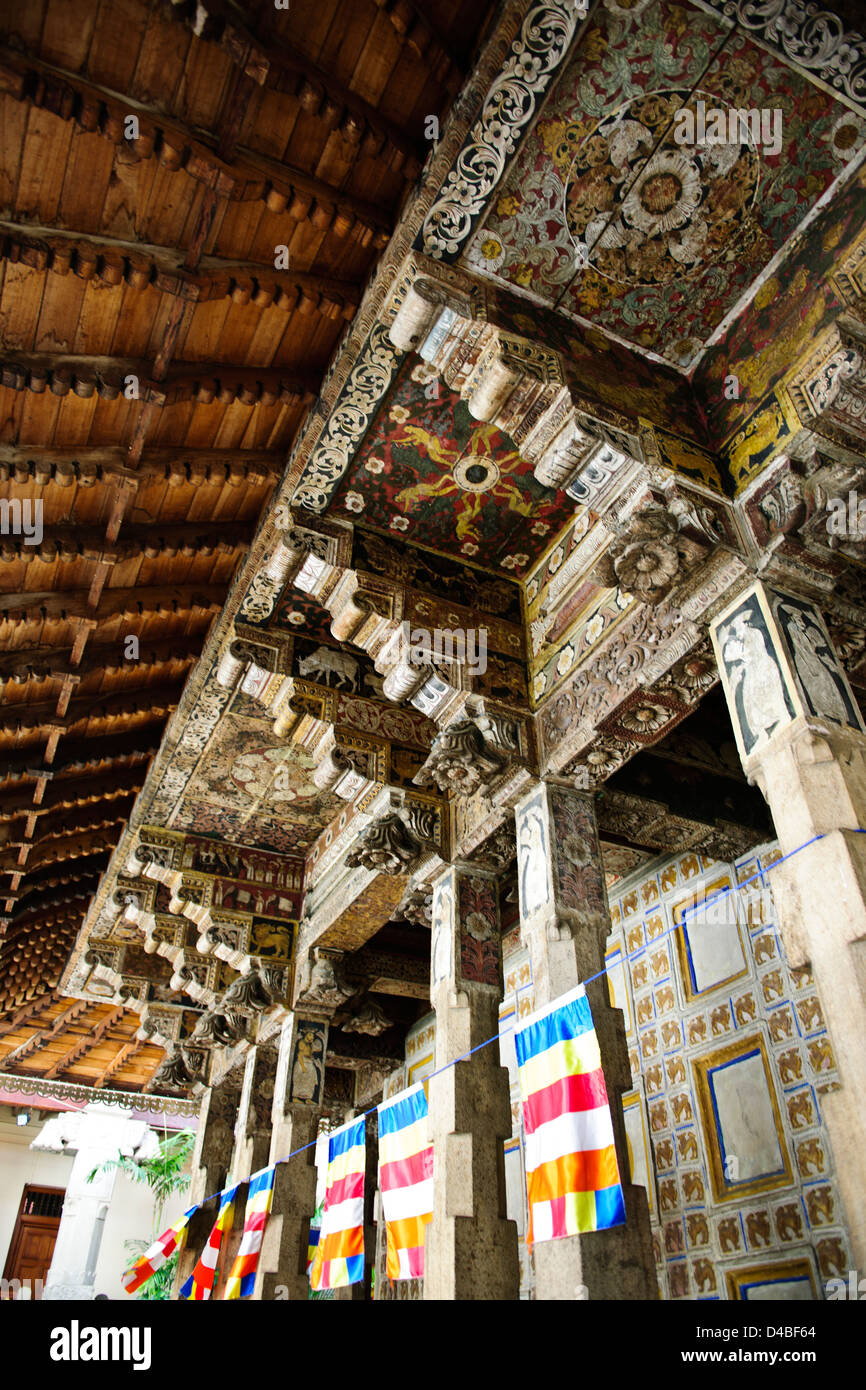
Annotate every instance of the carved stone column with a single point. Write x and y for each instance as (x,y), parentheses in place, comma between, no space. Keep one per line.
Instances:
(801,739)
(297,1109)
(565,925)
(471,1247)
(210,1167)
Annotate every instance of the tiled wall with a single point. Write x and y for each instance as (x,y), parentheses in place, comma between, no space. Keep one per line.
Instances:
(730,1057)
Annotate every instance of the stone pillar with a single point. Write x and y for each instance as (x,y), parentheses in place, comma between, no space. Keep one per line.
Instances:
(297,1109)
(801,739)
(210,1168)
(565,924)
(471,1247)
(254,1122)
(97,1133)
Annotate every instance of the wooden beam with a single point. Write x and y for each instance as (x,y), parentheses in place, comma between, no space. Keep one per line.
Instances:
(26,463)
(85,1044)
(86,376)
(162,699)
(24,664)
(69,603)
(109,260)
(83,756)
(96,109)
(22,1015)
(273,64)
(45,1033)
(120,1058)
(128,784)
(57,851)
(71,543)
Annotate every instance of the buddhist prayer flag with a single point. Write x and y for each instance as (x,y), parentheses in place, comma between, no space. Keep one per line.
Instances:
(161,1250)
(259,1197)
(339,1258)
(571,1170)
(201,1281)
(405,1181)
(313,1239)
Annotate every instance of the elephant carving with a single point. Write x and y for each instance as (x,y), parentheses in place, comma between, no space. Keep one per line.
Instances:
(705,1275)
(790,1065)
(638,974)
(771,984)
(781,1024)
(654,927)
(653,1078)
(729,1234)
(660,964)
(697,1029)
(668,1194)
(650,1043)
(676,1070)
(697,1228)
(689,866)
(693,1187)
(644,1010)
(720,1020)
(670,1033)
(635,939)
(664,1153)
(658,1116)
(820,1206)
(831,1257)
(810,1013)
(669,878)
(810,1157)
(758,1228)
(744,1008)
(688,1145)
(665,1000)
(800,1110)
(789,1222)
(821,1054)
(682,1109)
(629,904)
(765,947)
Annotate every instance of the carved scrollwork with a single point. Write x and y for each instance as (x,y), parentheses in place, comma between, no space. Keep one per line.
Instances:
(461,760)
(220,1026)
(248,992)
(327,987)
(387,846)
(648,555)
(416,905)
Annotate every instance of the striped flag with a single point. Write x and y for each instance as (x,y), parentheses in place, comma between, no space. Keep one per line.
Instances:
(340,1254)
(405,1180)
(161,1250)
(200,1283)
(313,1239)
(571,1169)
(259,1197)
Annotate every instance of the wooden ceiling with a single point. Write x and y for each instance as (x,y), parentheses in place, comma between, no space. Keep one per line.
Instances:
(192,198)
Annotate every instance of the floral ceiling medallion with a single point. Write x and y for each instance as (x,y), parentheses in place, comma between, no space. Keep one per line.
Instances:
(643,207)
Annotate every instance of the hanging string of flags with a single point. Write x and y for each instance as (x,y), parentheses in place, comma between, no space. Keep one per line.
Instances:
(573,1180)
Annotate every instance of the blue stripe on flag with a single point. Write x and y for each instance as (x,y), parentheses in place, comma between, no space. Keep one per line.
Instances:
(407,1110)
(248,1283)
(561,1026)
(187,1288)
(345,1139)
(355,1268)
(609,1208)
(260,1182)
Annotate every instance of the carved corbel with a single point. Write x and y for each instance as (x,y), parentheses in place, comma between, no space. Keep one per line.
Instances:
(248,993)
(327,987)
(396,842)
(461,760)
(650,554)
(369,1019)
(220,1026)
(416,905)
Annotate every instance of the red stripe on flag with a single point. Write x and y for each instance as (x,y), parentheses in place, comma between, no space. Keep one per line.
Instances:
(571,1093)
(352,1185)
(406,1172)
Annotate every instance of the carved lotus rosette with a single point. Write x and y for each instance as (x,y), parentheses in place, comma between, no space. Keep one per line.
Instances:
(416,905)
(388,846)
(648,555)
(461,760)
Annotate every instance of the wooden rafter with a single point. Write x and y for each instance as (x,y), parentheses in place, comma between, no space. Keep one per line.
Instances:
(44,1034)
(283,188)
(29,463)
(26,1012)
(70,543)
(105,377)
(119,1060)
(75,847)
(181,598)
(46,663)
(78,791)
(84,1045)
(111,260)
(115,751)
(160,698)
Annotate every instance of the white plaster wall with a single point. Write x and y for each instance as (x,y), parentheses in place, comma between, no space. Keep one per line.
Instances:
(129,1218)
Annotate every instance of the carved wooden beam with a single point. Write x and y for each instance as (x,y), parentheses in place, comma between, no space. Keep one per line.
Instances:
(26,463)
(71,543)
(85,1044)
(46,663)
(26,1012)
(44,1034)
(107,377)
(120,1058)
(275,65)
(111,260)
(183,598)
(160,699)
(247,176)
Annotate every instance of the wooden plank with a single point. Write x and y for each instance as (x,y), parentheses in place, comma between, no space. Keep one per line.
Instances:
(73,602)
(116,43)
(20,302)
(67,32)
(43,160)
(13,131)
